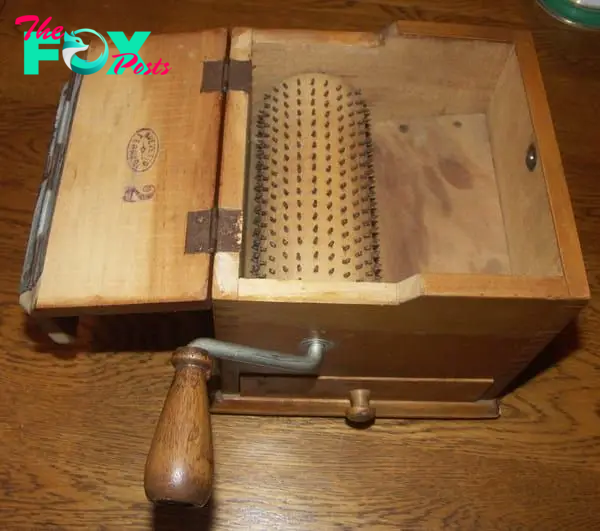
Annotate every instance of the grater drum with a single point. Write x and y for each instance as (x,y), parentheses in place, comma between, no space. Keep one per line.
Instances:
(314,205)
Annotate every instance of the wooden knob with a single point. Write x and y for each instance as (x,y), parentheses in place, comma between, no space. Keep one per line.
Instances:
(360,409)
(179,467)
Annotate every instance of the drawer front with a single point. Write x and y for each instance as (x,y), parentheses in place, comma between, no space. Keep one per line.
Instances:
(409,389)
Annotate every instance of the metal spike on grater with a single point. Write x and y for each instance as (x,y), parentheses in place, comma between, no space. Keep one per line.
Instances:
(314,195)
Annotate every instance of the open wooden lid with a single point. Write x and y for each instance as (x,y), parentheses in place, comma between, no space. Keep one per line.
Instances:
(131,220)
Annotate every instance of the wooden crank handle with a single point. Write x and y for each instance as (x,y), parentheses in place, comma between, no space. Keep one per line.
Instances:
(179,467)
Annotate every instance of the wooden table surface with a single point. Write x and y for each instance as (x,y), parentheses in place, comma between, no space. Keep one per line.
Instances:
(76,422)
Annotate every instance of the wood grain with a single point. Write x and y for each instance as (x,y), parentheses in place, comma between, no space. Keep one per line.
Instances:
(327,407)
(179,467)
(232,173)
(437,198)
(137,254)
(523,193)
(76,422)
(409,389)
(399,76)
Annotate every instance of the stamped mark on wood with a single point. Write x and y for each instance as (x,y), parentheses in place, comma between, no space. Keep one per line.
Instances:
(133,195)
(142,150)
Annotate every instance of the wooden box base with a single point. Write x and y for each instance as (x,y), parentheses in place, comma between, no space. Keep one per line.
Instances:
(319,407)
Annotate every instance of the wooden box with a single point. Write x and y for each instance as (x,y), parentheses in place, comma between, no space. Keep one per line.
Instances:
(147,206)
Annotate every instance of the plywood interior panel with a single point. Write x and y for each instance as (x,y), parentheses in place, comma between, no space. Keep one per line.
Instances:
(528,223)
(437,201)
(401,76)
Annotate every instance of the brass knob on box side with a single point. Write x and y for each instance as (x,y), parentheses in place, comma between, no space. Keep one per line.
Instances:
(360,409)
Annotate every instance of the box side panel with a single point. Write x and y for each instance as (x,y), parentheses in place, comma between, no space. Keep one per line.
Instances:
(530,235)
(232,175)
(550,160)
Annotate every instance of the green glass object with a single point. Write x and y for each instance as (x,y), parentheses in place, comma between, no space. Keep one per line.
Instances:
(584,13)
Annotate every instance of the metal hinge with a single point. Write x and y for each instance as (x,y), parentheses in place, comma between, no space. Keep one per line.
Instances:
(226,75)
(213,230)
